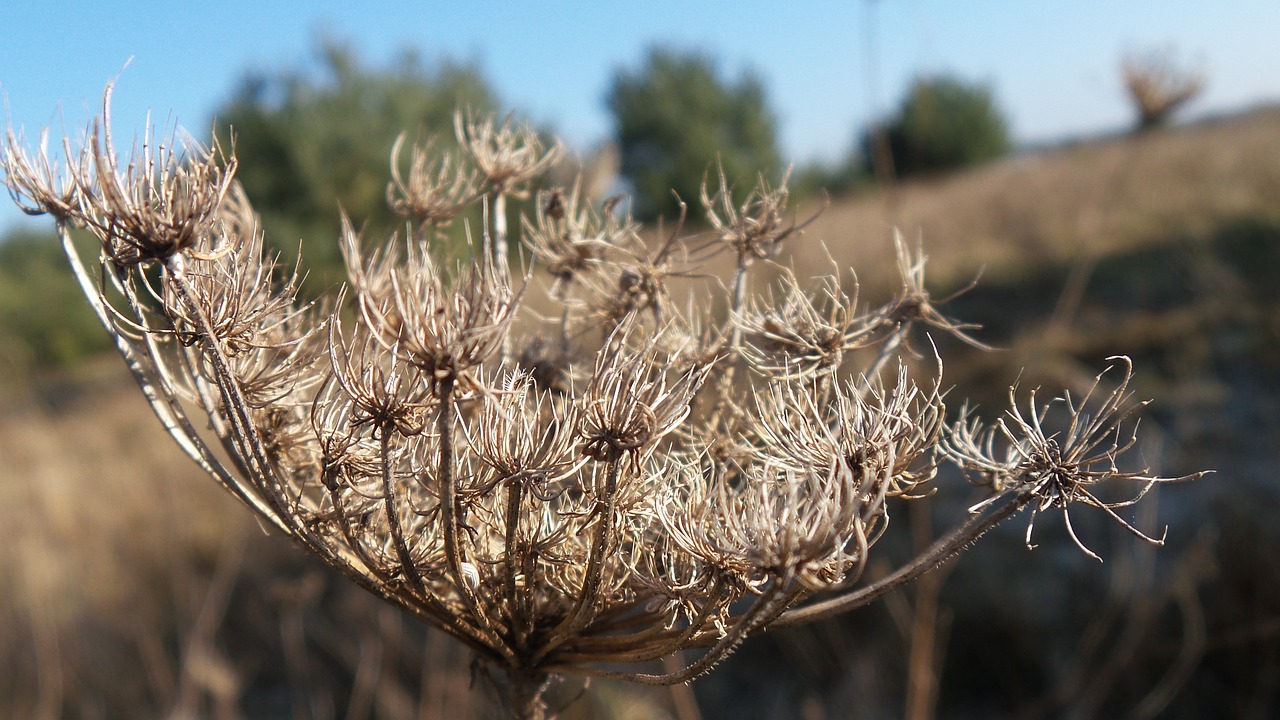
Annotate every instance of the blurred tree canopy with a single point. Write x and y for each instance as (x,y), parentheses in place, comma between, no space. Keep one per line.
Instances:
(45,323)
(312,143)
(674,117)
(944,123)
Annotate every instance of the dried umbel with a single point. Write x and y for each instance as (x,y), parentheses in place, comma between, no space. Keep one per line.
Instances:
(438,188)
(631,478)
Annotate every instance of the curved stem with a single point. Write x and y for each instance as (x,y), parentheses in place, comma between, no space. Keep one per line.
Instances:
(451,519)
(160,396)
(942,550)
(645,645)
(242,430)
(748,622)
(577,617)
(392,510)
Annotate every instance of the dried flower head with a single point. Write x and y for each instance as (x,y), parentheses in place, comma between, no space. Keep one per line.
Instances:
(1059,469)
(439,186)
(447,330)
(756,228)
(777,524)
(913,304)
(570,239)
(803,333)
(383,391)
(522,437)
(880,435)
(163,201)
(37,184)
(509,154)
(628,404)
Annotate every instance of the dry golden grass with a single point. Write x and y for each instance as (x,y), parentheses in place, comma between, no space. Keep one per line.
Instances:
(103,524)
(1061,204)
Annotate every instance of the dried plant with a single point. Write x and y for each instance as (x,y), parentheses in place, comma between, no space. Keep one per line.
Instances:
(1158,85)
(640,480)
(439,186)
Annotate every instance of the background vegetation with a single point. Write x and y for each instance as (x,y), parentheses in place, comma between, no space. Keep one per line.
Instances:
(944,123)
(676,119)
(131,586)
(316,143)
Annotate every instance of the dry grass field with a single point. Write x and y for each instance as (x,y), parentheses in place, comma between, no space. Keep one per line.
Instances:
(131,586)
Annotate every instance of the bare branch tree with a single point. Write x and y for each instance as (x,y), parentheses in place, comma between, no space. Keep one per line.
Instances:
(1158,85)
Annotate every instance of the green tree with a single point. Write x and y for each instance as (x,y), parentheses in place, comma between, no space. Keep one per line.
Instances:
(312,144)
(44,323)
(944,123)
(675,117)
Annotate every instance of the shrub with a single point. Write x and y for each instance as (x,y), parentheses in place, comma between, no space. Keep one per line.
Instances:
(44,324)
(1158,85)
(944,123)
(676,119)
(315,142)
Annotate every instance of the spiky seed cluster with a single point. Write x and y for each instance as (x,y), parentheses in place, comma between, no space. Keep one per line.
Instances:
(756,228)
(570,239)
(628,405)
(156,205)
(800,334)
(913,303)
(446,331)
(508,154)
(36,183)
(621,488)
(522,438)
(440,185)
(1059,470)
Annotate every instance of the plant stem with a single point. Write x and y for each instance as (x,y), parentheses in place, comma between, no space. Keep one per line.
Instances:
(576,619)
(525,694)
(941,551)
(392,510)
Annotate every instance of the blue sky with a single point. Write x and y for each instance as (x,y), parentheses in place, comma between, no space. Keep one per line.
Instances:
(828,66)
